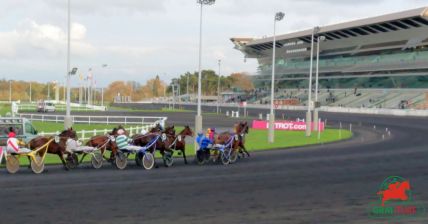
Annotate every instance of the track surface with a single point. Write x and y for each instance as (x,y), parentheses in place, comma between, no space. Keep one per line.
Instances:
(332,183)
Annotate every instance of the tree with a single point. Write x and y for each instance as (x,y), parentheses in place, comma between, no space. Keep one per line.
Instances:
(242,81)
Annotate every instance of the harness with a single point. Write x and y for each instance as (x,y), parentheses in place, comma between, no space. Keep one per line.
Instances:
(151,143)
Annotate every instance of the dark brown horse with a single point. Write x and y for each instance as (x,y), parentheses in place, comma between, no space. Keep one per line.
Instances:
(144,139)
(161,143)
(105,142)
(178,141)
(241,129)
(55,147)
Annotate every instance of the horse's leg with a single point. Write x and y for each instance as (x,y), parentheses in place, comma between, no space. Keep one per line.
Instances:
(183,151)
(61,156)
(245,150)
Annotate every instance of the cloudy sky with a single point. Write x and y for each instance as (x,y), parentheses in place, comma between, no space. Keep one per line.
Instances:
(138,39)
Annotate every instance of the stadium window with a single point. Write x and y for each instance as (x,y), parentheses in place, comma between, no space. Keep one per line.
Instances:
(402,26)
(420,20)
(368,29)
(341,34)
(410,22)
(378,28)
(386,25)
(349,33)
(332,35)
(356,30)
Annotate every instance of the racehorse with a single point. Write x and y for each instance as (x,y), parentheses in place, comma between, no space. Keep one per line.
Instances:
(161,143)
(241,129)
(144,139)
(178,141)
(56,147)
(105,142)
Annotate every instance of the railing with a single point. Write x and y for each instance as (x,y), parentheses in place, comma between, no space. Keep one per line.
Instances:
(87,134)
(62,107)
(125,120)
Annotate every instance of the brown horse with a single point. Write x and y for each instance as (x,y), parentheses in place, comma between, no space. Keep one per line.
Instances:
(161,143)
(241,129)
(56,147)
(105,142)
(178,141)
(144,139)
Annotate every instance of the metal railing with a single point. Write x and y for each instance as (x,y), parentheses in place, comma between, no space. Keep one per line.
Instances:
(87,134)
(86,119)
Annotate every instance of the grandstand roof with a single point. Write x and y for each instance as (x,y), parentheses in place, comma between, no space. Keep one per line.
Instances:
(401,30)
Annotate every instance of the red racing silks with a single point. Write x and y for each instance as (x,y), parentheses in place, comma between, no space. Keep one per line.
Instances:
(13,146)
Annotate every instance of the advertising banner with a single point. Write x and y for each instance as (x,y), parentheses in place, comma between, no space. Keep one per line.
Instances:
(285,125)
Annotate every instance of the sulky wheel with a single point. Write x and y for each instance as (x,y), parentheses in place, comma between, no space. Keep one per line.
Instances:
(37,164)
(12,164)
(72,161)
(168,159)
(121,160)
(97,160)
(233,156)
(225,157)
(148,161)
(200,157)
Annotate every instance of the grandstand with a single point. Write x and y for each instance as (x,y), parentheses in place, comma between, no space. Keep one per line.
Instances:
(379,62)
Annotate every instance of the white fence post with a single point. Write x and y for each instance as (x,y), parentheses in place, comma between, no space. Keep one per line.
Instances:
(83,134)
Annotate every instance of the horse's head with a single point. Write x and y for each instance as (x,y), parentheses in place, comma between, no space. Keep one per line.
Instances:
(68,133)
(113,132)
(187,131)
(170,130)
(156,128)
(245,127)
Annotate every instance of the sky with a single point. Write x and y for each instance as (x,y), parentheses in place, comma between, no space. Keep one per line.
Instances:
(139,39)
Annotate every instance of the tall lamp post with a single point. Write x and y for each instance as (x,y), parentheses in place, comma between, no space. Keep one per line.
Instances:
(68,121)
(198,118)
(218,86)
(278,17)
(308,113)
(320,38)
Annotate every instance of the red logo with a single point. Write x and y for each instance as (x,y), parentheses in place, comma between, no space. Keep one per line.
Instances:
(395,191)
(395,200)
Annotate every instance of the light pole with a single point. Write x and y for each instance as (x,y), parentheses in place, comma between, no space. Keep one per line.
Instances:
(218,86)
(320,38)
(187,87)
(49,91)
(198,118)
(271,138)
(67,118)
(308,113)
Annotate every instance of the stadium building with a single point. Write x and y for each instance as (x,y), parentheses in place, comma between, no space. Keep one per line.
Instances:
(375,62)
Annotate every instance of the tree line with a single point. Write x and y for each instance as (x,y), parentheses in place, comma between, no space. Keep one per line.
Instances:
(154,87)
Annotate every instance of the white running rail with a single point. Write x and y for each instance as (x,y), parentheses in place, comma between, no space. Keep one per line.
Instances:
(87,134)
(85,119)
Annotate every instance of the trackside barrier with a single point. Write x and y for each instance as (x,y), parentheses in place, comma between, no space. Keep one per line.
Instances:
(126,120)
(87,134)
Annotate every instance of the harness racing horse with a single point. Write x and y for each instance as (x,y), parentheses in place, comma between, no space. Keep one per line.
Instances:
(178,141)
(57,147)
(105,142)
(161,143)
(241,129)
